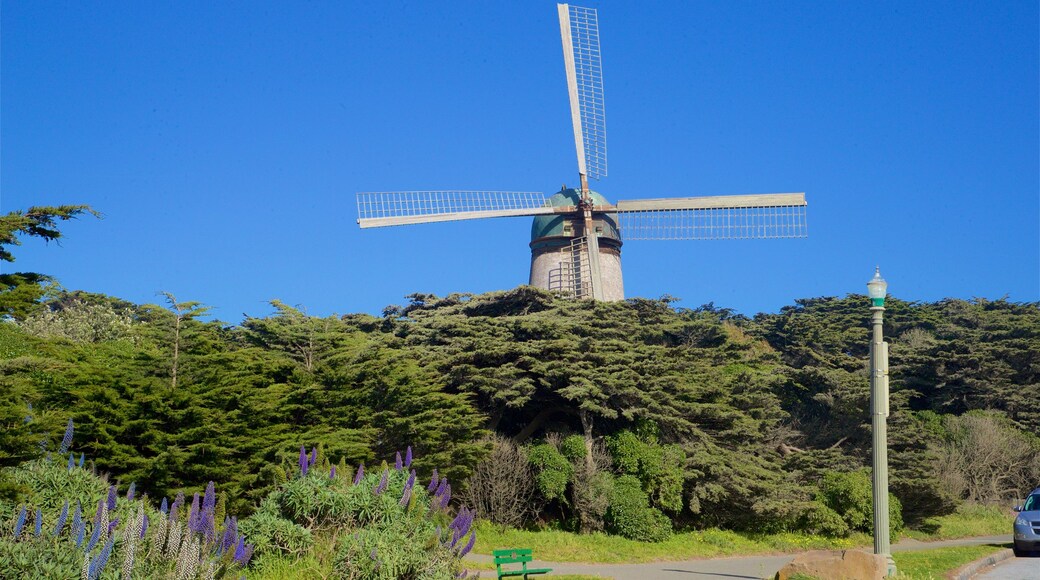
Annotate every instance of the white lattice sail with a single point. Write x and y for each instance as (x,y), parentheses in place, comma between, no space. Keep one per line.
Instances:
(778,215)
(390,208)
(579,29)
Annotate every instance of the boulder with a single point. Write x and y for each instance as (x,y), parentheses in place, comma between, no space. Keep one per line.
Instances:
(836,565)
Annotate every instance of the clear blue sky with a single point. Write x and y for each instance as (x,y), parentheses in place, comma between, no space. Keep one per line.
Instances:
(224,143)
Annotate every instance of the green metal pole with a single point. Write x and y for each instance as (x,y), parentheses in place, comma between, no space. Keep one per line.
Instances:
(879,424)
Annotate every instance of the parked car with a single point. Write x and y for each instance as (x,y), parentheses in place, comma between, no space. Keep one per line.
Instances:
(1027,524)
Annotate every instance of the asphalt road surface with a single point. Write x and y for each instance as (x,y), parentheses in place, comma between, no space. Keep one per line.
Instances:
(1027,568)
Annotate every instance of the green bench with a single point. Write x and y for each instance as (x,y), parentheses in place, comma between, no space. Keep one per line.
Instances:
(516,556)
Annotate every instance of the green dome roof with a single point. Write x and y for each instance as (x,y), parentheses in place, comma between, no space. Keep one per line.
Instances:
(552,225)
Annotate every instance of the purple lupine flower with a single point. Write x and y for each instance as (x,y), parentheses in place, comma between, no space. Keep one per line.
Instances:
(178,502)
(398,464)
(462,575)
(440,487)
(209,503)
(373,554)
(433,481)
(304,464)
(360,473)
(102,559)
(408,457)
(144,527)
(405,497)
(82,458)
(469,545)
(94,537)
(446,497)
(112,495)
(243,552)
(72,462)
(383,481)
(165,509)
(230,535)
(112,525)
(79,534)
(194,519)
(314,456)
(131,490)
(66,440)
(209,500)
(38,524)
(77,517)
(19,523)
(64,515)
(411,480)
(207,523)
(332,472)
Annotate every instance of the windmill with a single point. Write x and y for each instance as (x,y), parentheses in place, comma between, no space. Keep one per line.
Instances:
(576,235)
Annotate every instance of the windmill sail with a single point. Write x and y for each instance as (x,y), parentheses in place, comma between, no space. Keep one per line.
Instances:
(579,30)
(394,208)
(778,215)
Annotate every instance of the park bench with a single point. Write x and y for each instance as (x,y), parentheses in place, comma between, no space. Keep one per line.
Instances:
(516,556)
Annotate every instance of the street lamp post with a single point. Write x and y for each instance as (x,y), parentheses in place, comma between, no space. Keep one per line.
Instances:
(876,289)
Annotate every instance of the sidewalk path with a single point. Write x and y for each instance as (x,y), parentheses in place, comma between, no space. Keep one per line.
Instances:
(736,568)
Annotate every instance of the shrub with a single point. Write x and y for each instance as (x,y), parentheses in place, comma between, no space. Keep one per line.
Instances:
(850,495)
(552,470)
(502,486)
(275,536)
(631,516)
(81,541)
(386,523)
(817,518)
(659,468)
(573,448)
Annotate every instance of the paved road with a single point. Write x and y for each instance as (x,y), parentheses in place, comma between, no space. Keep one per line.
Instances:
(742,568)
(1013,569)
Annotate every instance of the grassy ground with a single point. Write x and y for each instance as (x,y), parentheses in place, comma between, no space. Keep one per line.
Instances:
(557,546)
(969,520)
(929,564)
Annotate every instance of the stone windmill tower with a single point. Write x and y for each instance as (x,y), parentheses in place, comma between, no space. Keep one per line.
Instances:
(576,236)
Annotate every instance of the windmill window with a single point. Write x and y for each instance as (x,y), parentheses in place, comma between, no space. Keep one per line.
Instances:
(599,229)
(567,229)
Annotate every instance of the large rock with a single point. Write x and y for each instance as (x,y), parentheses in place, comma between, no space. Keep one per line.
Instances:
(836,565)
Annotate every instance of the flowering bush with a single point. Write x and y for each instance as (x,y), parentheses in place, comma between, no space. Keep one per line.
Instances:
(386,523)
(120,537)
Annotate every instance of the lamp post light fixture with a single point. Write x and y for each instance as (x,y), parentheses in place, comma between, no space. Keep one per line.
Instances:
(876,289)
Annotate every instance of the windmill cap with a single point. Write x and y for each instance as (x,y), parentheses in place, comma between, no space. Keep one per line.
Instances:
(547,226)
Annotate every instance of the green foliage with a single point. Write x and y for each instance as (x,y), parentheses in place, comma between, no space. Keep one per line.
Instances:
(573,448)
(630,514)
(819,518)
(660,468)
(724,420)
(62,550)
(80,320)
(45,558)
(849,494)
(20,291)
(404,547)
(50,484)
(273,535)
(375,535)
(552,470)
(38,221)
